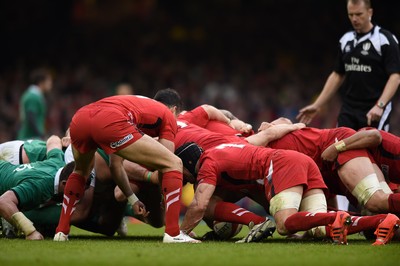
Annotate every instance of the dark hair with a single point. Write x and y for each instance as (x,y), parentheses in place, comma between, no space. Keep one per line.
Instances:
(169,97)
(189,153)
(66,171)
(39,75)
(64,174)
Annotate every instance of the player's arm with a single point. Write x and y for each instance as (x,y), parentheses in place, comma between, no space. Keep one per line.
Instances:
(226,117)
(53,142)
(215,114)
(10,212)
(360,140)
(228,114)
(139,173)
(197,207)
(388,92)
(274,132)
(66,140)
(121,179)
(236,123)
(332,84)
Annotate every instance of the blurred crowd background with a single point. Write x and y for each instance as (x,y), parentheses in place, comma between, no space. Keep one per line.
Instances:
(260,59)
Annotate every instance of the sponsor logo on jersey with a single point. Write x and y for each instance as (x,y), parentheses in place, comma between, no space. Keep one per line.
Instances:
(121,141)
(355,66)
(365,47)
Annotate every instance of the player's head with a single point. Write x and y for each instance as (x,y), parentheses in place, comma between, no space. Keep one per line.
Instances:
(42,78)
(170,98)
(62,179)
(360,15)
(190,154)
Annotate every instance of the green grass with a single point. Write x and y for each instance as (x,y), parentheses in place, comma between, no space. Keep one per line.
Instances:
(144,246)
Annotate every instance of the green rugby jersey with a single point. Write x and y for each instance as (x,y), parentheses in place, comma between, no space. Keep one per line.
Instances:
(35,150)
(32,101)
(32,183)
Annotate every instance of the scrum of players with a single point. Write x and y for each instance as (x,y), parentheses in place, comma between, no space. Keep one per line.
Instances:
(92,180)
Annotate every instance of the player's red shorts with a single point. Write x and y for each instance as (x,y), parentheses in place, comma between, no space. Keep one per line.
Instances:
(94,126)
(288,169)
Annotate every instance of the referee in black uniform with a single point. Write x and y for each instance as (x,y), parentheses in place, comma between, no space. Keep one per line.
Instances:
(367,71)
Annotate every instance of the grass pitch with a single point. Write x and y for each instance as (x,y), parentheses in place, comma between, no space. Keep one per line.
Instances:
(144,246)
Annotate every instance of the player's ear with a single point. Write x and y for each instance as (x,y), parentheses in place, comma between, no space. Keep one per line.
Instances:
(174,110)
(62,186)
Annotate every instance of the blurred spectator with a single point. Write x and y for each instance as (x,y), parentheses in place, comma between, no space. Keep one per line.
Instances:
(33,106)
(194,47)
(124,89)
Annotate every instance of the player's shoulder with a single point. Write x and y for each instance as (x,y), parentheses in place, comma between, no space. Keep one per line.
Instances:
(386,34)
(56,156)
(347,36)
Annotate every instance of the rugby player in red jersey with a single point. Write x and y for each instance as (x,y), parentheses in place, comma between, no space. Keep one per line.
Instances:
(357,175)
(291,180)
(384,147)
(385,150)
(117,125)
(286,176)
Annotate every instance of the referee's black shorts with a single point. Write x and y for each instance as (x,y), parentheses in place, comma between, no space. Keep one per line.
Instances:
(356,118)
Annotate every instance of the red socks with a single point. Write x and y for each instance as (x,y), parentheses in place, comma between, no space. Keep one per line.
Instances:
(229,212)
(303,221)
(361,223)
(74,190)
(172,190)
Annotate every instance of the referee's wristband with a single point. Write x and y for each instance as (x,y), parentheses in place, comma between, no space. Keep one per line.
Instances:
(132,199)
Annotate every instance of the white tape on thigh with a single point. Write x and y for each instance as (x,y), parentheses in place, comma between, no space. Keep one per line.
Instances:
(366,188)
(314,203)
(284,200)
(385,187)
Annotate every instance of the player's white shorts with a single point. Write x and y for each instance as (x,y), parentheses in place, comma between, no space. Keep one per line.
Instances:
(10,151)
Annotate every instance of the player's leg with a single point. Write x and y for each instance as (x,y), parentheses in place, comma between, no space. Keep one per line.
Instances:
(392,199)
(384,225)
(74,190)
(231,212)
(381,178)
(152,154)
(222,207)
(285,206)
(359,176)
(386,229)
